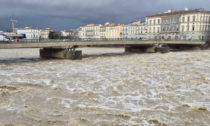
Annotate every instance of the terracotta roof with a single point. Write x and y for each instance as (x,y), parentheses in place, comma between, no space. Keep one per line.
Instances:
(27,28)
(179,12)
(90,25)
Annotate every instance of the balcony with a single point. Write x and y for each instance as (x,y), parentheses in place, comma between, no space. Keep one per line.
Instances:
(173,31)
(89,31)
(103,30)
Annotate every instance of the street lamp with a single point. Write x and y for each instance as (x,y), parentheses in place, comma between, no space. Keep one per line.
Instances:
(13,27)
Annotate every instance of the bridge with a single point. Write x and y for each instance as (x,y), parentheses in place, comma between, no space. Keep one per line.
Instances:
(65,48)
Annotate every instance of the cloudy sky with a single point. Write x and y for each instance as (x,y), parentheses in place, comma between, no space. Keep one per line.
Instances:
(70,14)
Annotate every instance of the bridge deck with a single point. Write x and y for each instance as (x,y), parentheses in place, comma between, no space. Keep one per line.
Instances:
(66,44)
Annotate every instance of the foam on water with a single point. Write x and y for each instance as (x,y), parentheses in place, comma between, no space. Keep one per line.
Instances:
(130,89)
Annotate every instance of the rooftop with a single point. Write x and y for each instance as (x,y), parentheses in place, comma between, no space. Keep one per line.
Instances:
(170,12)
(28,28)
(90,25)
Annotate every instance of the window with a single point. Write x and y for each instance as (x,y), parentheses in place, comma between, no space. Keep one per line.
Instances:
(193,18)
(188,18)
(193,28)
(182,19)
(154,22)
(154,30)
(158,21)
(201,18)
(163,21)
(187,28)
(158,30)
(177,19)
(182,28)
(150,22)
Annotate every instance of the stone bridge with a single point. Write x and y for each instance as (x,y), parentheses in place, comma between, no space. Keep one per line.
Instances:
(66,48)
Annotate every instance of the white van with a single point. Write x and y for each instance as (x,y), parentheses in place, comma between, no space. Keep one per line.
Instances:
(3,38)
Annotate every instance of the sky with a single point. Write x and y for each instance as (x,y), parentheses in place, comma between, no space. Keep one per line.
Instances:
(71,14)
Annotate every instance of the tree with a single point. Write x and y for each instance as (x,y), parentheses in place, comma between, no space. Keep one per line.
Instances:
(56,35)
(51,35)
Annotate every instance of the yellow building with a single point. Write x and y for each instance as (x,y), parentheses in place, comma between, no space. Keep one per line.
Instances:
(113,31)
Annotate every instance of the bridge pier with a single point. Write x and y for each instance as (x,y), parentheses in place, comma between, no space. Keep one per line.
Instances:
(61,53)
(142,49)
(182,47)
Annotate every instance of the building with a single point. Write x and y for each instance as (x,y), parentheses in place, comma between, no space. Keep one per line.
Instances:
(103,31)
(66,33)
(44,34)
(185,24)
(112,30)
(77,33)
(104,28)
(91,31)
(29,32)
(134,30)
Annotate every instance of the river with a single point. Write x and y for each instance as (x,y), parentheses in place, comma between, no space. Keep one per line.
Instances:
(106,88)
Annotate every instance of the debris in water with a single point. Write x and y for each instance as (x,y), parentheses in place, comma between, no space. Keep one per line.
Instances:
(131,73)
(157,121)
(185,104)
(198,107)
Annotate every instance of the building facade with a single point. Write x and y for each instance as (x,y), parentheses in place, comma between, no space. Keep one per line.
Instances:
(184,25)
(91,31)
(103,32)
(44,34)
(29,32)
(134,30)
(77,33)
(66,33)
(113,30)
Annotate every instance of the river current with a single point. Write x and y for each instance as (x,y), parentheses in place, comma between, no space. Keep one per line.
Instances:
(106,88)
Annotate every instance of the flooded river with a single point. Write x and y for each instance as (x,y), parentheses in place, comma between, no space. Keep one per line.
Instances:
(105,88)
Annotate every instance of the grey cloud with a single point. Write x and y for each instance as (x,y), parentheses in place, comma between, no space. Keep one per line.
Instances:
(80,12)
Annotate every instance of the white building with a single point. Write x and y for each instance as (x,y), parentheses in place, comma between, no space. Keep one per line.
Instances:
(185,24)
(91,31)
(77,33)
(44,34)
(134,30)
(29,32)
(66,33)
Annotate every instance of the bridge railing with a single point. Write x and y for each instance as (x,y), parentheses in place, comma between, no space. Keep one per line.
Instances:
(95,40)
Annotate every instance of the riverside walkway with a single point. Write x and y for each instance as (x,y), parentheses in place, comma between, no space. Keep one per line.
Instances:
(68,43)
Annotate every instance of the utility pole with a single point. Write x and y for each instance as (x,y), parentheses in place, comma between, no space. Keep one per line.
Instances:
(13,26)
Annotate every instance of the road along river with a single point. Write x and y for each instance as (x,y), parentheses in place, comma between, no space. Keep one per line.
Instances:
(105,89)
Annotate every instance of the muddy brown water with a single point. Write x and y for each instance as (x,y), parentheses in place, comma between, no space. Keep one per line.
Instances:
(115,89)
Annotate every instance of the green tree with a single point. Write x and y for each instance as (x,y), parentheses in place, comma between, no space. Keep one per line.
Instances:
(51,35)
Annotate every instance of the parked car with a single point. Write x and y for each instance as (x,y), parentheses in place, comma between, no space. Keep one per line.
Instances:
(145,39)
(88,39)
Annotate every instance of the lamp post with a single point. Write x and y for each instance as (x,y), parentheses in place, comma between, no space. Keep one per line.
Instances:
(13,26)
